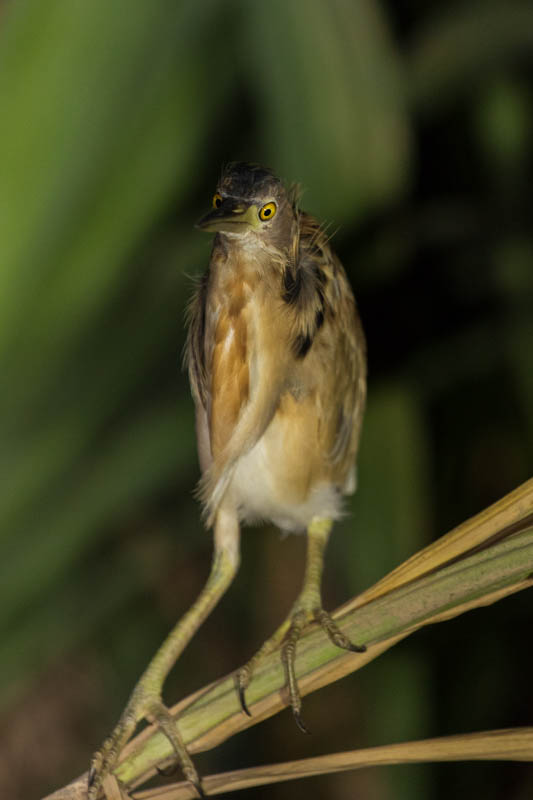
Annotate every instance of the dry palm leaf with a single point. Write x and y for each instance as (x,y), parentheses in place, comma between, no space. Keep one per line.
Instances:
(481,561)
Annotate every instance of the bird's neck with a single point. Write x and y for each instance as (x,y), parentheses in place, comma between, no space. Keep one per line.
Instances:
(246,258)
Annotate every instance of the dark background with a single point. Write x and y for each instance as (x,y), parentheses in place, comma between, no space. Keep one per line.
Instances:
(409,124)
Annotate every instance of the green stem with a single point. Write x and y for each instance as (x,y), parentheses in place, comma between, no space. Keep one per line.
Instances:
(215,714)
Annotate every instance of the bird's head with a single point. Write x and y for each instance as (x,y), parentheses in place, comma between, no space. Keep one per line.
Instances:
(249,202)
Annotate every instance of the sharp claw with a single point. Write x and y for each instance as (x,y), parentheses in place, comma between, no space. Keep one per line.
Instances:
(198,786)
(299,721)
(167,771)
(91,776)
(241,694)
(242,700)
(357,648)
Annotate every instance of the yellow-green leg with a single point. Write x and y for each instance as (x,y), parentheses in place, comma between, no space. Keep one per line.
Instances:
(145,701)
(307,608)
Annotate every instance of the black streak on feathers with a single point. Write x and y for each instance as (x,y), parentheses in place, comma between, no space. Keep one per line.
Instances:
(292,284)
(303,287)
(302,343)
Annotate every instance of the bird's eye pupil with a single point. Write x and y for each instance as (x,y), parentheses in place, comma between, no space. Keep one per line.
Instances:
(267,212)
(217,200)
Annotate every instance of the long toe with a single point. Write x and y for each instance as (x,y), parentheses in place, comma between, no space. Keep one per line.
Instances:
(160,714)
(105,759)
(288,657)
(243,676)
(330,627)
(142,705)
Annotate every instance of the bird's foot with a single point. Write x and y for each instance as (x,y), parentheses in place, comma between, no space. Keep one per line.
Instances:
(300,618)
(143,704)
(287,636)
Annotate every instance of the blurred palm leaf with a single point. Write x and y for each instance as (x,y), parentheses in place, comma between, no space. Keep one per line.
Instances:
(98,134)
(460,46)
(340,129)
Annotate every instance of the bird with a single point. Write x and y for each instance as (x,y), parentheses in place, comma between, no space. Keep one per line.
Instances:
(276,357)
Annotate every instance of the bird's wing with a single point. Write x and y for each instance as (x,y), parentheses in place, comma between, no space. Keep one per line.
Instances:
(194,356)
(236,371)
(194,359)
(339,355)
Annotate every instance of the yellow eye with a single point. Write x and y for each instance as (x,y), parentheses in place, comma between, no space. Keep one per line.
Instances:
(267,212)
(217,200)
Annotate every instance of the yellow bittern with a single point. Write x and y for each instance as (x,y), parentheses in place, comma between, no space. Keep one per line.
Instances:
(277,365)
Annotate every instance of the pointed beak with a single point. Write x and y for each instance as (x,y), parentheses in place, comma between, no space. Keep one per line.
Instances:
(231,216)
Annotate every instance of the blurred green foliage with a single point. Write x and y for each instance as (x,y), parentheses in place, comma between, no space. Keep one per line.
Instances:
(407,124)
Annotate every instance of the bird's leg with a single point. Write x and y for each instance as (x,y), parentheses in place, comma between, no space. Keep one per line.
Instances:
(145,700)
(307,608)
